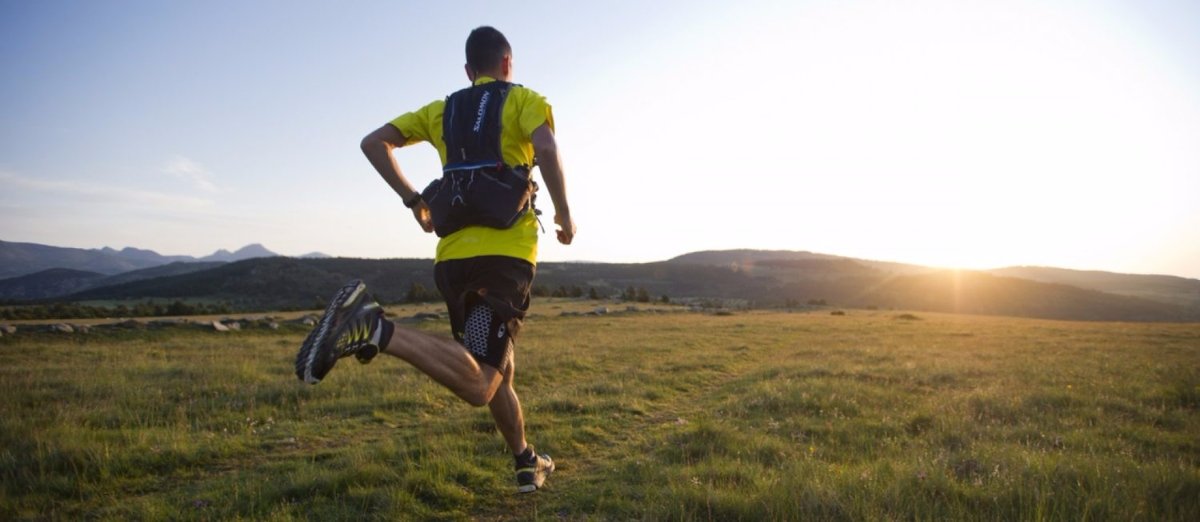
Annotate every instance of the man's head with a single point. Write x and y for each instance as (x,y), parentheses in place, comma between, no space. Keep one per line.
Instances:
(488,54)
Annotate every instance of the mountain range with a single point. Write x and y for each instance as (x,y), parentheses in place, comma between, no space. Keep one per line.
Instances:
(752,277)
(18,259)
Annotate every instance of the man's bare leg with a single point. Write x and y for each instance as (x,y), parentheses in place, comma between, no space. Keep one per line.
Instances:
(448,363)
(506,410)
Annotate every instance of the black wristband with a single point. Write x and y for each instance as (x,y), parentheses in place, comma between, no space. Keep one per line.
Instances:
(412,202)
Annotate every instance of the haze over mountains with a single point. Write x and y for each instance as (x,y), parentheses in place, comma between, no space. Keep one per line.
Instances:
(254,278)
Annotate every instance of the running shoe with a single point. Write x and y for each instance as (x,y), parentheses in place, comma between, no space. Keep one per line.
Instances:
(346,329)
(531,475)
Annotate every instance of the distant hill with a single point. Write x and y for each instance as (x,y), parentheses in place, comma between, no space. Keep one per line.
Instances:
(806,269)
(51,282)
(1162,288)
(57,282)
(750,259)
(988,294)
(18,259)
(170,269)
(745,257)
(252,278)
(281,282)
(275,282)
(772,279)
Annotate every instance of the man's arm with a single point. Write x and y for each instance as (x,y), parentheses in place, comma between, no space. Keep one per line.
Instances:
(377,147)
(546,149)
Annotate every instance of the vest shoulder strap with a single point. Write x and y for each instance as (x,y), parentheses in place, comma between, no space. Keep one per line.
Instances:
(471,125)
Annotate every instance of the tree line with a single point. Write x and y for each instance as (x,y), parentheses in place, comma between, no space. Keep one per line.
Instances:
(418,293)
(79,311)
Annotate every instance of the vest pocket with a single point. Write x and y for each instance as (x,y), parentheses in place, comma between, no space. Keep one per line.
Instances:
(494,198)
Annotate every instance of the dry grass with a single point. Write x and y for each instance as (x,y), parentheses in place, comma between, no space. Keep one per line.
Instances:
(688,416)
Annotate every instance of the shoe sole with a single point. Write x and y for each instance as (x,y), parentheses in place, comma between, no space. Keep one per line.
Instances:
(315,340)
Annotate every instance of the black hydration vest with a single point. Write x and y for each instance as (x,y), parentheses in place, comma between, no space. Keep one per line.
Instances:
(476,187)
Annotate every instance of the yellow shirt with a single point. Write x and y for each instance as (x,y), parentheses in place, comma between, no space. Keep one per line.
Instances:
(524,110)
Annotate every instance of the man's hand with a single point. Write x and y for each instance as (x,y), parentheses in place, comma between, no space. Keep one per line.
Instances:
(566,230)
(421,214)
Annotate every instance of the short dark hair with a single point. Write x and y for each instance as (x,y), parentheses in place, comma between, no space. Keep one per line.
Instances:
(486,48)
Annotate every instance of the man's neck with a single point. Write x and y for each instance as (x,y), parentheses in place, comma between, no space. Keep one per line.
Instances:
(495,75)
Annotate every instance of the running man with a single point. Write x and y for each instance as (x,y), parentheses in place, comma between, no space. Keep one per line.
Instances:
(484,273)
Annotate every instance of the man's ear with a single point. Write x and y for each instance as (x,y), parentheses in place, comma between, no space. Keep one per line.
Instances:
(470,72)
(506,66)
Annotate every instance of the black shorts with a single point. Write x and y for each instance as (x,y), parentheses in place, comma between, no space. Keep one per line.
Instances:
(487,298)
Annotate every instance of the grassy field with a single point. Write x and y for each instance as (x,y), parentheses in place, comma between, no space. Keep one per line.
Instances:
(659,416)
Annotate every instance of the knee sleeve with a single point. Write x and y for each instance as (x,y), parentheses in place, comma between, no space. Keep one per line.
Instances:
(485,336)
(477,329)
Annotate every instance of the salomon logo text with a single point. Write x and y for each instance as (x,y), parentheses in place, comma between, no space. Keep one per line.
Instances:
(482,109)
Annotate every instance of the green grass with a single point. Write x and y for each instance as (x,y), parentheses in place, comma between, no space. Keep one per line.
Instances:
(676,416)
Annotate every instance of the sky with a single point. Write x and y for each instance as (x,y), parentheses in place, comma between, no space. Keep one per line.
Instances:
(961,134)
